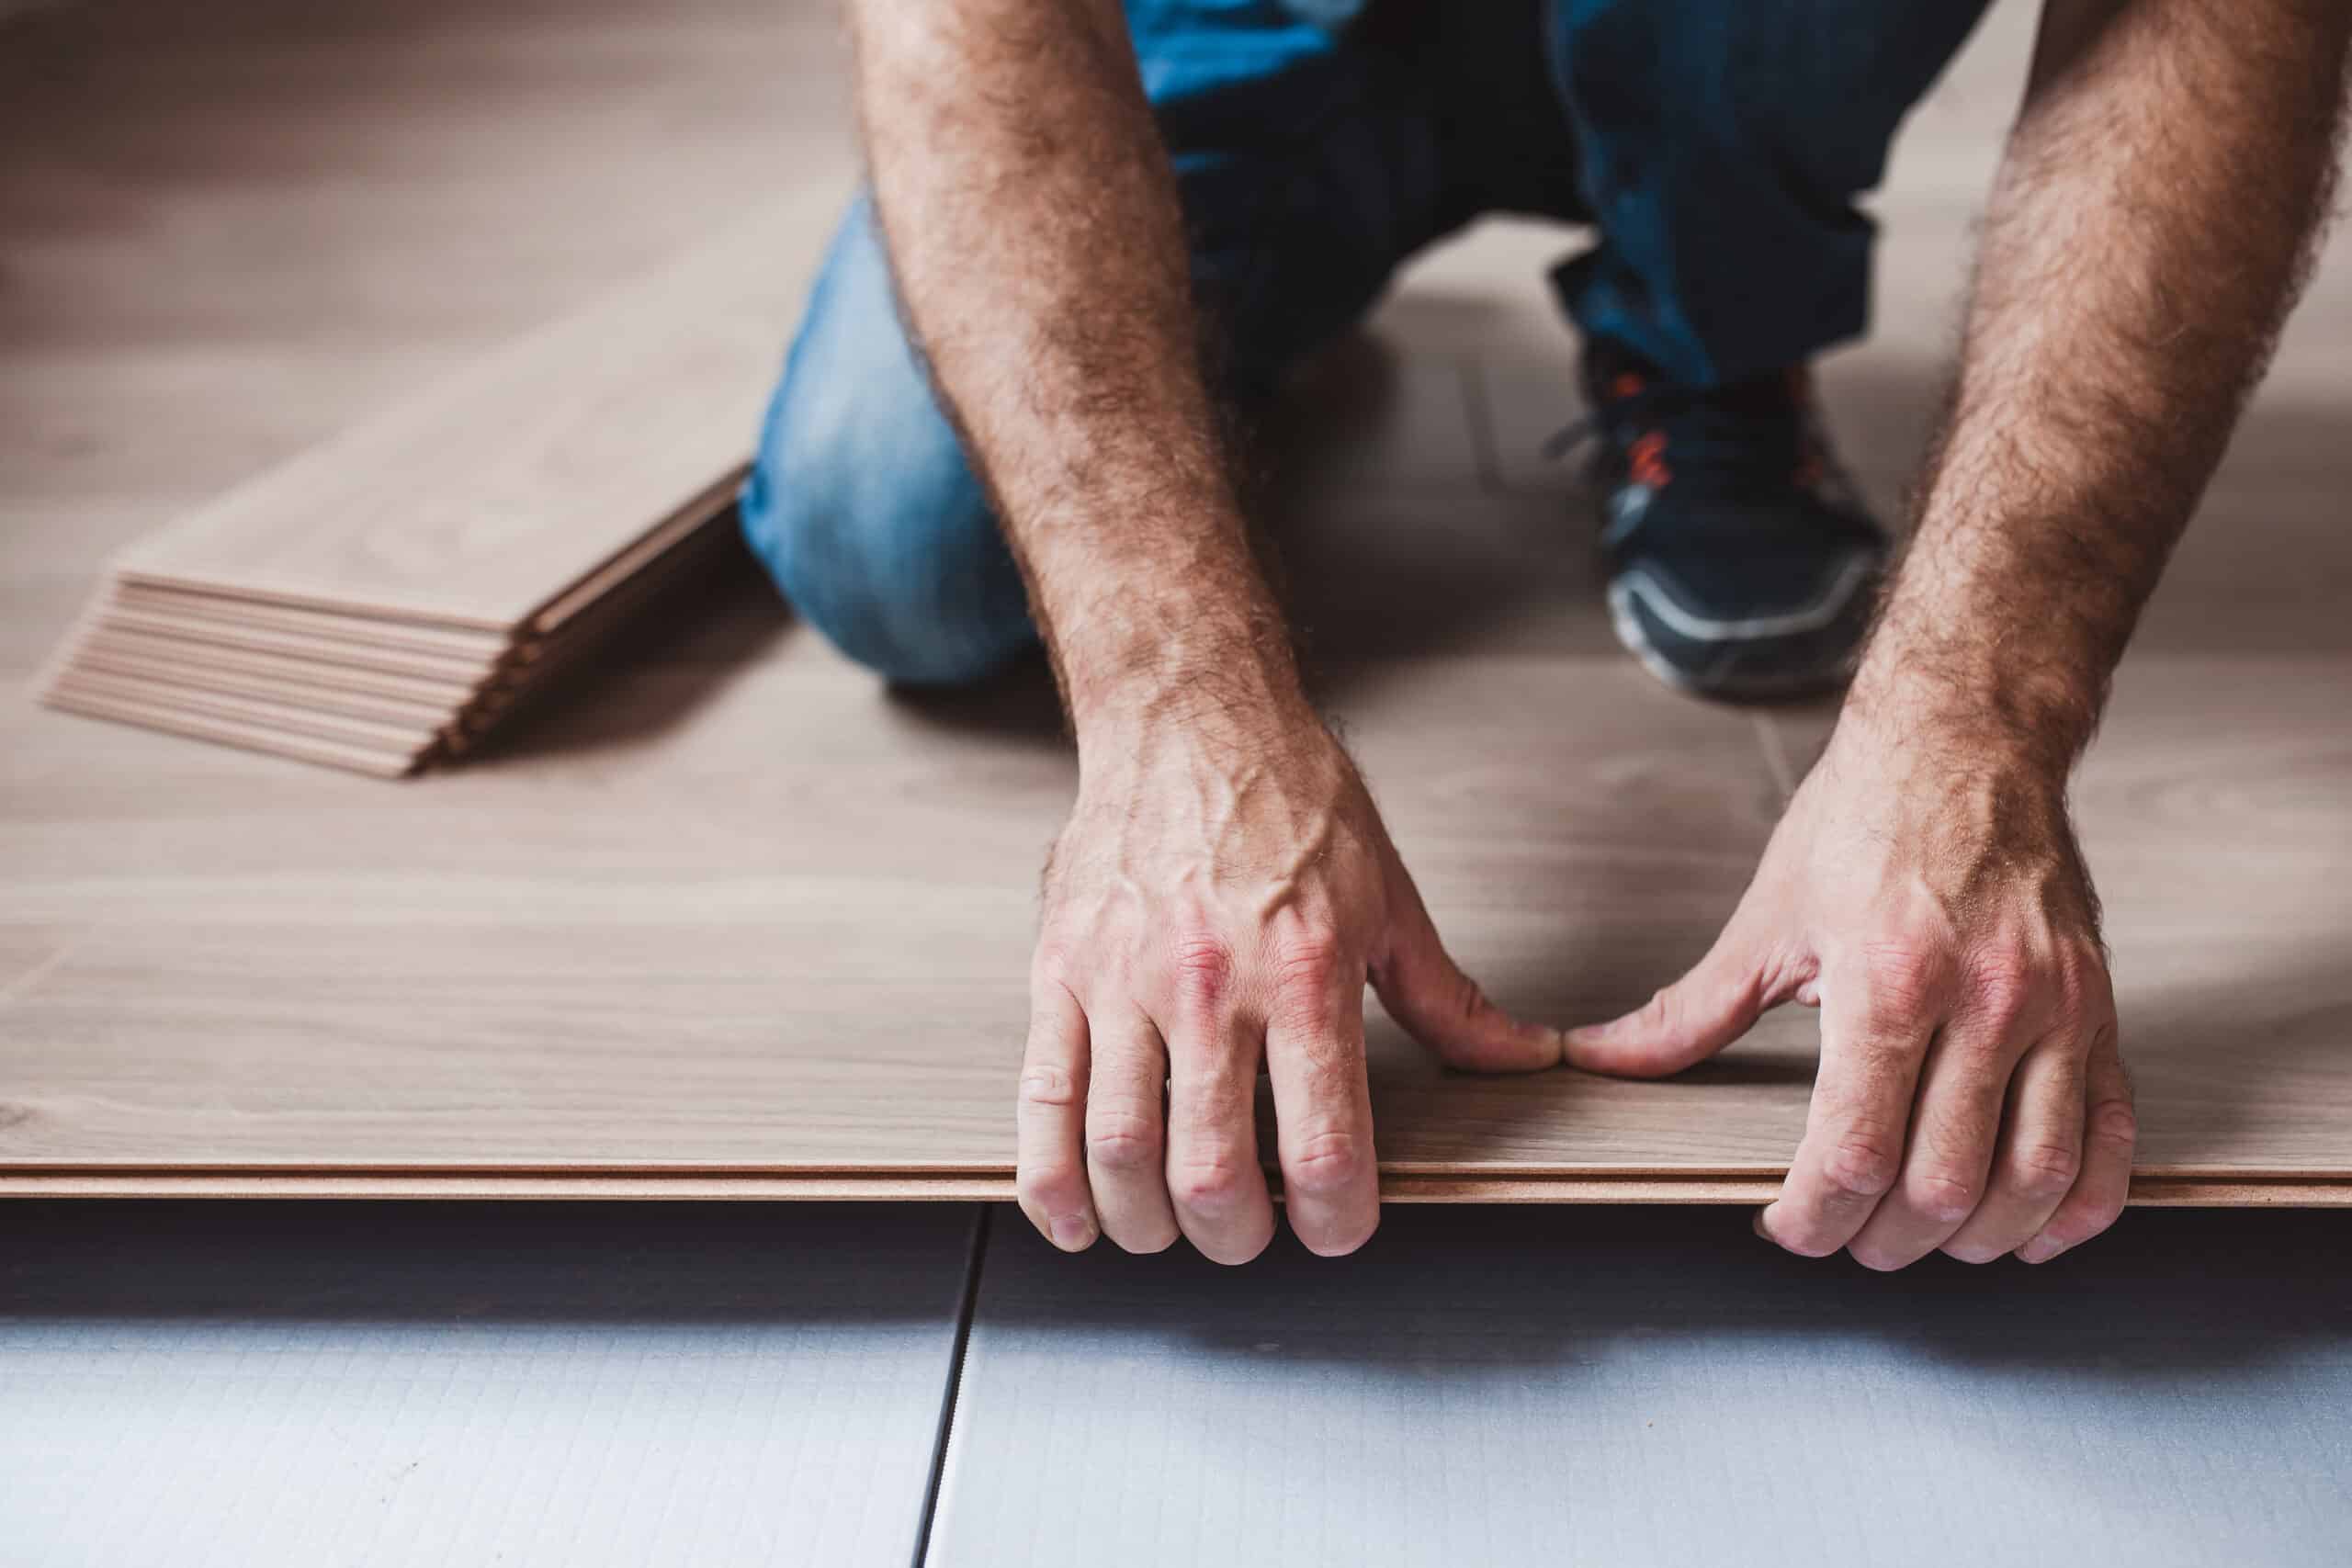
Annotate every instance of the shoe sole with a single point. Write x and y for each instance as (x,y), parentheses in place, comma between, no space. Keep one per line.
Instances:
(1730,685)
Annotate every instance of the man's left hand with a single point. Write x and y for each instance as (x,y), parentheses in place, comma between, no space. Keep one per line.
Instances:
(1928,895)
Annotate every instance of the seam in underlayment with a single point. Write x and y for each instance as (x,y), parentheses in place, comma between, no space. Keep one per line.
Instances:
(943,1444)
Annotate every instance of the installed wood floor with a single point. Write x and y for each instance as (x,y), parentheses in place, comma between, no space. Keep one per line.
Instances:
(731,921)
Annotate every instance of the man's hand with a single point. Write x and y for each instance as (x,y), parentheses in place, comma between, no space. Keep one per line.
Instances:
(1222,893)
(1930,899)
(2153,217)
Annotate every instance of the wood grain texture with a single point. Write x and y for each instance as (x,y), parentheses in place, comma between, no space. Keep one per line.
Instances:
(277,668)
(371,631)
(268,738)
(105,657)
(731,920)
(484,501)
(392,734)
(307,647)
(693,955)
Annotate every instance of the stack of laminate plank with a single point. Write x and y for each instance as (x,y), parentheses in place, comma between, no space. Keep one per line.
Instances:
(384,599)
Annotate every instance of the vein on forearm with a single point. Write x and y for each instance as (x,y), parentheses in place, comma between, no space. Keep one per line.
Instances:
(1038,248)
(2154,220)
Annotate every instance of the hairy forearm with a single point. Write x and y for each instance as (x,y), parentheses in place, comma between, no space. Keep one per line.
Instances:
(1038,248)
(2153,217)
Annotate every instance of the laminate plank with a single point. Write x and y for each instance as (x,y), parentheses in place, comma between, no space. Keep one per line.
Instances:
(336,625)
(250,736)
(307,647)
(377,734)
(103,660)
(586,1185)
(686,947)
(488,498)
(282,669)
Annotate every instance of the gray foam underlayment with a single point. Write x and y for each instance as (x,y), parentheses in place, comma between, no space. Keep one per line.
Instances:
(261,1384)
(1659,1388)
(344,1384)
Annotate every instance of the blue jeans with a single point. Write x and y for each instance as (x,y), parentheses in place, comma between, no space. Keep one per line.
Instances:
(1715,146)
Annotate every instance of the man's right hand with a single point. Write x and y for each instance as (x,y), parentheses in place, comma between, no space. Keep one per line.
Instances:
(1220,896)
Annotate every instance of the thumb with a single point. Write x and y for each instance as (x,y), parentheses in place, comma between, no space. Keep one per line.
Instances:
(1444,1008)
(1714,1004)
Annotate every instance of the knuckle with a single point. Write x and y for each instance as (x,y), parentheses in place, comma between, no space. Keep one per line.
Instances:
(2114,1123)
(1907,979)
(2045,1170)
(1048,1087)
(2081,985)
(1210,1180)
(1663,1012)
(1054,964)
(1943,1196)
(1202,968)
(2003,985)
(1124,1141)
(1862,1165)
(1325,1163)
(1307,960)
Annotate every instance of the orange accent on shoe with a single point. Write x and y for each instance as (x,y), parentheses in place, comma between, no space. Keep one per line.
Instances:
(1628,383)
(1648,457)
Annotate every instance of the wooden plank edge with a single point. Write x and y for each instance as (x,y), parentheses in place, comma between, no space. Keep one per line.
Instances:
(881,1186)
(400,738)
(338,625)
(701,510)
(95,658)
(749,276)
(280,669)
(246,738)
(304,647)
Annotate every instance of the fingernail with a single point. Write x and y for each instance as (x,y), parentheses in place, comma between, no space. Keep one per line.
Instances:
(2041,1249)
(1756,1224)
(1074,1233)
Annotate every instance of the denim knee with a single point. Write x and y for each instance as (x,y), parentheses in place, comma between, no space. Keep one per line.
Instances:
(860,502)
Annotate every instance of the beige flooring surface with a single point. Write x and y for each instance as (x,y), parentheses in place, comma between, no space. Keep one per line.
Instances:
(728,918)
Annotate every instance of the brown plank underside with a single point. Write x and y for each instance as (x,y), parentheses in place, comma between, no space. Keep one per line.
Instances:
(2147,1192)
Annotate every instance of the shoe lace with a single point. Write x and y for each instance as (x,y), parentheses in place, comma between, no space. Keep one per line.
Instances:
(1651,430)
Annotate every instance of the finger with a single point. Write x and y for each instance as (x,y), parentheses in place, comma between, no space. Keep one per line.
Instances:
(1050,1122)
(2111,1129)
(1426,992)
(1852,1148)
(1126,1131)
(1714,1004)
(1322,1104)
(2040,1155)
(1212,1175)
(1954,1125)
